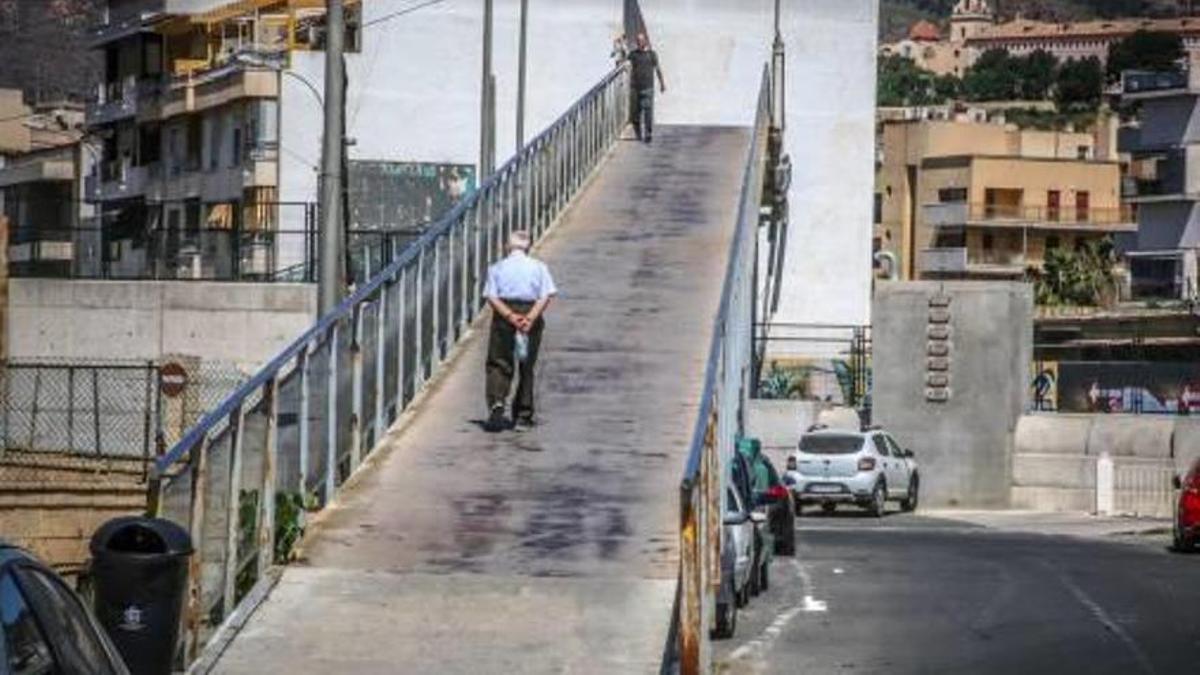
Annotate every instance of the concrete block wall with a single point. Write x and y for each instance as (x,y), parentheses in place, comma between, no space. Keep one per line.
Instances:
(51,504)
(1054,456)
(243,324)
(962,443)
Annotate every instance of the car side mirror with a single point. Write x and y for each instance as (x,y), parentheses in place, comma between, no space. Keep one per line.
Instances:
(1177,482)
(758,517)
(909,454)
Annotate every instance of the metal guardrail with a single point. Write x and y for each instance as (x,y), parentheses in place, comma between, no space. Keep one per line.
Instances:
(285,441)
(726,387)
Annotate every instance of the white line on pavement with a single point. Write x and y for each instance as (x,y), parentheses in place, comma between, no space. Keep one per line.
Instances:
(759,646)
(1109,624)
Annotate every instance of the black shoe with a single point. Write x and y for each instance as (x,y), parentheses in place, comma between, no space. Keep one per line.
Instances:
(496,421)
(524,422)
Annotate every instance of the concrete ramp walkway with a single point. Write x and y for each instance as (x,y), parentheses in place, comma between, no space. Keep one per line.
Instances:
(545,551)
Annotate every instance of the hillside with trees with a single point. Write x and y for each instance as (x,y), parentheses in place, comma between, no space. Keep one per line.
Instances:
(44,48)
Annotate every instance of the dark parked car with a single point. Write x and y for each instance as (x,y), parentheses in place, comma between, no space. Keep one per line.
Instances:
(779,504)
(45,626)
(1187,511)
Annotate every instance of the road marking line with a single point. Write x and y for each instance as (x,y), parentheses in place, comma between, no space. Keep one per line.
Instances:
(760,645)
(1109,624)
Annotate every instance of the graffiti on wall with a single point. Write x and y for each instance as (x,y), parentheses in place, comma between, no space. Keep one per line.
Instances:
(1171,388)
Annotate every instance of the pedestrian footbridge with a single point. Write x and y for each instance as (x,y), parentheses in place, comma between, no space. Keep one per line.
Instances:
(430,546)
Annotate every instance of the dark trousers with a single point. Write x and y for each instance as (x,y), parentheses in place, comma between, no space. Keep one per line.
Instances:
(501,364)
(643,113)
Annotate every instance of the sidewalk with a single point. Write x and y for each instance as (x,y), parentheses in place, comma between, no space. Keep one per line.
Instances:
(1056,524)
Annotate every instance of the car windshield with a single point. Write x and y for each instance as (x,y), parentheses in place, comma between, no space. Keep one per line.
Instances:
(830,444)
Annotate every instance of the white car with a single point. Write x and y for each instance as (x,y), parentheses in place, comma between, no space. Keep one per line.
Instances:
(868,468)
(737,561)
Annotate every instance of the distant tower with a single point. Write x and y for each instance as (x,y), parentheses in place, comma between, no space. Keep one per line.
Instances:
(970,18)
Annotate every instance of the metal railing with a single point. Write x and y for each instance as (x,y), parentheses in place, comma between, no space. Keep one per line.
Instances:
(1068,216)
(727,385)
(286,440)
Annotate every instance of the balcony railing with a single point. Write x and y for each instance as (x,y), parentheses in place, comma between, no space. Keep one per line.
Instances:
(1145,82)
(962,260)
(957,214)
(115,101)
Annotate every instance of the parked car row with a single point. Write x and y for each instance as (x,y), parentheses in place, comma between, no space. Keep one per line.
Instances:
(758,523)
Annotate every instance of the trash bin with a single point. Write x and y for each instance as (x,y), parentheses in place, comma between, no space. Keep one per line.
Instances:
(139,572)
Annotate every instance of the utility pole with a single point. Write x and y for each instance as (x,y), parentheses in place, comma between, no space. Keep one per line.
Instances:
(521,65)
(487,99)
(333,276)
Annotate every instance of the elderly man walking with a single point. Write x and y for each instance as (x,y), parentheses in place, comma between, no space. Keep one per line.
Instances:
(519,289)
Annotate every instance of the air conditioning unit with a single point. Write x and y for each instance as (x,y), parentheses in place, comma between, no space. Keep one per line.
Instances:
(190,264)
(256,259)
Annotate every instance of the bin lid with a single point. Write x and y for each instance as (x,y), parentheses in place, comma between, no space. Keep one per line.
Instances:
(141,536)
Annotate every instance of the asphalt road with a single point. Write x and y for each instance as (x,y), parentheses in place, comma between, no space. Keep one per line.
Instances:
(912,594)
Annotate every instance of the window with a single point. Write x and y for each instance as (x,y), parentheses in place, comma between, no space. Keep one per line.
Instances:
(952,195)
(1053,205)
(989,241)
(1082,205)
(24,647)
(896,450)
(237,146)
(830,444)
(880,446)
(74,636)
(1083,152)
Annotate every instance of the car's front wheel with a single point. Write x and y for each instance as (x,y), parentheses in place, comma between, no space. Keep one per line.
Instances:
(878,503)
(909,503)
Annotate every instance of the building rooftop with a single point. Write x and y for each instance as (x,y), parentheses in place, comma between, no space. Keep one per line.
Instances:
(1028,29)
(925,31)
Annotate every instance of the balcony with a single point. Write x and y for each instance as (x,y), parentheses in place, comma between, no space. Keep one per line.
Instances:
(117,181)
(121,99)
(1136,84)
(1061,219)
(961,261)
(196,91)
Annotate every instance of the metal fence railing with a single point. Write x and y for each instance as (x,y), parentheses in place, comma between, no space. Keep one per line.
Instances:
(76,419)
(727,385)
(287,439)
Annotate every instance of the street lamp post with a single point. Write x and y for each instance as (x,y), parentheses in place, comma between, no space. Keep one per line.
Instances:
(521,65)
(331,281)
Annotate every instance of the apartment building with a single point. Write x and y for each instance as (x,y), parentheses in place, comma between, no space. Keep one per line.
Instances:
(986,201)
(187,117)
(1164,183)
(41,161)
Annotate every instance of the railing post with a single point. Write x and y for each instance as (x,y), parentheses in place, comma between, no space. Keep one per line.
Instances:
(419,332)
(401,320)
(266,518)
(465,288)
(436,357)
(233,503)
(356,389)
(195,614)
(304,364)
(381,363)
(331,412)
(1105,485)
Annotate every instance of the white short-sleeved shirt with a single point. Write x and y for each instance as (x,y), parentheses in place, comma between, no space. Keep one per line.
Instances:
(519,277)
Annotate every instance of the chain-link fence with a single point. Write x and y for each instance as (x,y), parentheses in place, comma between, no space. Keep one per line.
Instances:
(74,420)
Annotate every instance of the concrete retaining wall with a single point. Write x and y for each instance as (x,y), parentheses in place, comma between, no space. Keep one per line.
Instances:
(1054,458)
(243,324)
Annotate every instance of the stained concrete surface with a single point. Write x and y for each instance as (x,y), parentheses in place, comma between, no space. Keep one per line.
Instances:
(555,549)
